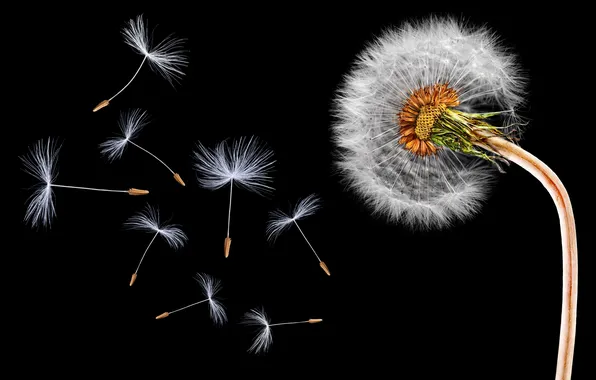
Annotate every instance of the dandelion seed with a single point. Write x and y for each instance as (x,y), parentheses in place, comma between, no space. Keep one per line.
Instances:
(210,287)
(130,124)
(246,163)
(41,162)
(427,113)
(166,58)
(280,221)
(263,340)
(148,220)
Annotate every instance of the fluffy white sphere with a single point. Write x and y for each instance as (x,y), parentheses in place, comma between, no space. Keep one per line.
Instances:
(434,190)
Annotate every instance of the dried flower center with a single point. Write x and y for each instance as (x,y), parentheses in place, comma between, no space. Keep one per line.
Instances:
(426,120)
(419,115)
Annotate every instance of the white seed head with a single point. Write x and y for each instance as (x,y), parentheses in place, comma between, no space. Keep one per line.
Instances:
(280,221)
(431,191)
(167,58)
(148,220)
(210,287)
(130,124)
(247,162)
(40,162)
(263,339)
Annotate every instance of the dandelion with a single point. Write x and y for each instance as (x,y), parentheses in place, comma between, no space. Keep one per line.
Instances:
(41,162)
(166,58)
(130,124)
(210,287)
(280,221)
(148,220)
(263,340)
(247,162)
(424,118)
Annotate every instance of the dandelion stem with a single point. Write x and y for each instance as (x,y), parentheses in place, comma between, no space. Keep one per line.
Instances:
(559,194)
(287,323)
(146,249)
(304,236)
(131,79)
(230,206)
(151,154)
(192,304)
(89,188)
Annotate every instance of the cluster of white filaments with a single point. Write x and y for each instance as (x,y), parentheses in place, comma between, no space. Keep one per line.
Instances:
(433,189)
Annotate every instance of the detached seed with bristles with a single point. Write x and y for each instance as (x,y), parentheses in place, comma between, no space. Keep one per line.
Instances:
(210,286)
(148,220)
(263,340)
(41,162)
(280,221)
(130,124)
(246,162)
(167,58)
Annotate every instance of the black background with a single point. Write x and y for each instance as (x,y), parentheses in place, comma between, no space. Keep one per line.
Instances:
(481,299)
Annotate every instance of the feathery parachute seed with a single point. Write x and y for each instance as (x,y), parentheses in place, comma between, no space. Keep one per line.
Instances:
(263,339)
(211,286)
(40,162)
(148,220)
(246,161)
(130,124)
(280,221)
(409,117)
(168,58)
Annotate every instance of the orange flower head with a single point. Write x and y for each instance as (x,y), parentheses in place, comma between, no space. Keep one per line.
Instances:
(420,113)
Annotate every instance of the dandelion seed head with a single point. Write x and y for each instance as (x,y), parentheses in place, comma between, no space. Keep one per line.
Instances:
(440,63)
(263,339)
(246,161)
(40,162)
(167,58)
(130,124)
(210,287)
(148,220)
